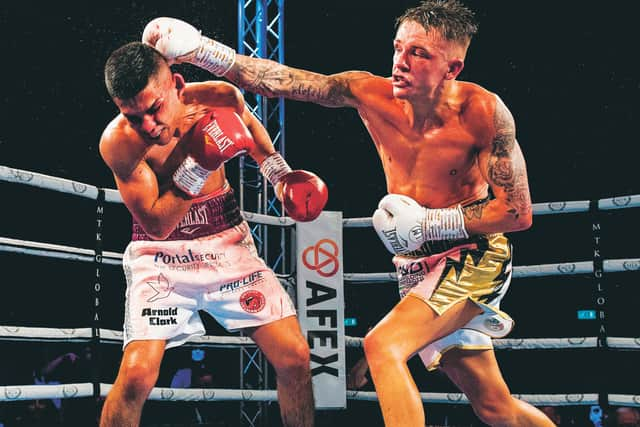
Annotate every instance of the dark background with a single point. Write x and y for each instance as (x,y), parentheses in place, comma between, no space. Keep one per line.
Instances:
(567,70)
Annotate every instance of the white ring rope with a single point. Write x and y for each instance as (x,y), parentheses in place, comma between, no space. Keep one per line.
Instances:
(61,185)
(20,176)
(25,333)
(548,208)
(457,398)
(78,390)
(57,251)
(543,343)
(115,258)
(561,269)
(30,392)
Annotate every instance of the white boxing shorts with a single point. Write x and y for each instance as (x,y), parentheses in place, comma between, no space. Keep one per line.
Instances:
(168,281)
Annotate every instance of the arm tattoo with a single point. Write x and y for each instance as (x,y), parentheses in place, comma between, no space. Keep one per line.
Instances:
(272,79)
(474,211)
(506,168)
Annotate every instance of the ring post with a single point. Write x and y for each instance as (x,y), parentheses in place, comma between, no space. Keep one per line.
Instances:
(320,295)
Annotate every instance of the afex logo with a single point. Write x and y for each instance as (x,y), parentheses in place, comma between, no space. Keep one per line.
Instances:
(324,257)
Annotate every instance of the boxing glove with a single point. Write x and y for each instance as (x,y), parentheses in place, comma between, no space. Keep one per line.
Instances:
(304,195)
(216,138)
(404,226)
(180,42)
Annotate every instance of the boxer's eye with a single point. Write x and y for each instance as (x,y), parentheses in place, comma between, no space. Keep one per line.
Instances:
(134,120)
(421,53)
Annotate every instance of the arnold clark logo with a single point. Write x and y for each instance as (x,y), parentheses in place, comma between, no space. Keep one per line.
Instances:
(161,316)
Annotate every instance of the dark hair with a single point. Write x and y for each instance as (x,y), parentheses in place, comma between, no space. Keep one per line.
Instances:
(450,17)
(128,69)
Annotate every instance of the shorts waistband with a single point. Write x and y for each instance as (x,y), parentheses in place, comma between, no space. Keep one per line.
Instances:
(436,247)
(207,215)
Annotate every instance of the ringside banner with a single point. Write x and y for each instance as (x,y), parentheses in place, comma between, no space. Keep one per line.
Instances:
(321,305)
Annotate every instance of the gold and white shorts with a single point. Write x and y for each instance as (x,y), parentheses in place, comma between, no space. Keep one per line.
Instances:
(444,273)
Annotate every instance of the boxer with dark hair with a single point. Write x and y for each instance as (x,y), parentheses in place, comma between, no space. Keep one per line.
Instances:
(191,249)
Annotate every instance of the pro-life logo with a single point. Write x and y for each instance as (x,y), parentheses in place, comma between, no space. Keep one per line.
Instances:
(325,257)
(252,301)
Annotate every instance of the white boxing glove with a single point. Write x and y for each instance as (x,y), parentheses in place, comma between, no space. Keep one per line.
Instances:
(404,226)
(180,42)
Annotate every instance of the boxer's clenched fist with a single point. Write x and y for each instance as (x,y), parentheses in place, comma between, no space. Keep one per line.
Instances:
(404,226)
(304,195)
(176,40)
(179,41)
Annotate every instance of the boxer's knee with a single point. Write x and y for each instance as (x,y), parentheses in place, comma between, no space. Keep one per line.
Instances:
(496,410)
(136,380)
(293,360)
(378,350)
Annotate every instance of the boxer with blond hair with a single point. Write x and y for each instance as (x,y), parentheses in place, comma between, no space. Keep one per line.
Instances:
(457,181)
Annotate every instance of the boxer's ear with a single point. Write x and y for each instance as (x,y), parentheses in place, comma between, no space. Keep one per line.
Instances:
(179,83)
(455,67)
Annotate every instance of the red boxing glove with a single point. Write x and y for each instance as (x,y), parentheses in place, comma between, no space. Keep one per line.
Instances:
(217,137)
(304,195)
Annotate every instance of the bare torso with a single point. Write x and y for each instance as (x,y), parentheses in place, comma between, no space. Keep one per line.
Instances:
(163,160)
(143,169)
(435,163)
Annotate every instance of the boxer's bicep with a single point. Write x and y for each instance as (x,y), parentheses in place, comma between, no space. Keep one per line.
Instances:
(263,146)
(139,190)
(503,165)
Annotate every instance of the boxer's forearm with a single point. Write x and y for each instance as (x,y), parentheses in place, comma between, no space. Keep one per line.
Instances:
(494,216)
(272,79)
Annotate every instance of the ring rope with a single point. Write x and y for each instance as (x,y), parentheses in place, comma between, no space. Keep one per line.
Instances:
(35,179)
(78,390)
(81,189)
(114,258)
(561,269)
(544,208)
(24,333)
(56,251)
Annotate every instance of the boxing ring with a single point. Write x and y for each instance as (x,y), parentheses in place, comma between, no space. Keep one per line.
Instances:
(96,334)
